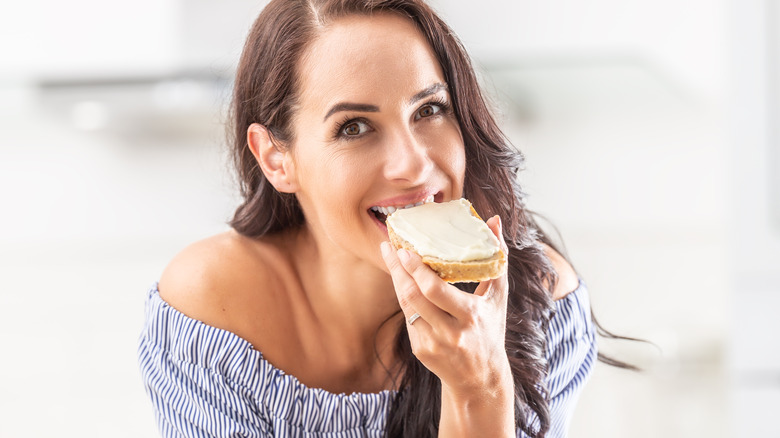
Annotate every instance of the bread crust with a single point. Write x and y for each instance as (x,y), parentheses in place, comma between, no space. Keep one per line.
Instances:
(455,271)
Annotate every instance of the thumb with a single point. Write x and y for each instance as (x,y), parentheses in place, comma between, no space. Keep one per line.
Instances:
(497,227)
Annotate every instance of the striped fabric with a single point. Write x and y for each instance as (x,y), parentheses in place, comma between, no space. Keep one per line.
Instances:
(571,354)
(208,382)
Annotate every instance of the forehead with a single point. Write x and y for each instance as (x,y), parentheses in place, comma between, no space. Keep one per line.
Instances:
(367,59)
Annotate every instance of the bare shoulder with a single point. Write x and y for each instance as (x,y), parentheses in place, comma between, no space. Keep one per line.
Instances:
(568,281)
(210,278)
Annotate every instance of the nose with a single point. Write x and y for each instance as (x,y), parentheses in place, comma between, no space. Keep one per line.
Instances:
(407,160)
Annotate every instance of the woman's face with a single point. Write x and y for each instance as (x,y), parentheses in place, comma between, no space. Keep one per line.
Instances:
(373,129)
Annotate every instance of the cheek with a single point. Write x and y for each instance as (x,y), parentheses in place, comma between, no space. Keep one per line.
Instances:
(447,145)
(459,161)
(350,171)
(336,179)
(455,159)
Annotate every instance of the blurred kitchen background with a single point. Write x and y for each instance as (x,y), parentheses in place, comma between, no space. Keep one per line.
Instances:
(652,142)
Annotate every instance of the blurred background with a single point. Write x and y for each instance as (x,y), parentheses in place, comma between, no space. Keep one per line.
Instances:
(651,135)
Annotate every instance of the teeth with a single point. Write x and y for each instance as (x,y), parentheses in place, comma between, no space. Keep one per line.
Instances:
(390,210)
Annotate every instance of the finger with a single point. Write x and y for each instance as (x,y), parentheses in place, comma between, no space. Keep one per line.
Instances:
(408,292)
(443,295)
(421,328)
(493,289)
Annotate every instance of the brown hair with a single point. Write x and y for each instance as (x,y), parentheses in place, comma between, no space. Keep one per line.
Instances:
(265,92)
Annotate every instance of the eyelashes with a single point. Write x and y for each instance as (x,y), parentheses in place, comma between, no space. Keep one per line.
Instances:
(347,122)
(352,128)
(444,107)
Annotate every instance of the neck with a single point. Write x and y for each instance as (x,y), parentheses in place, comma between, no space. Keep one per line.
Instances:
(352,305)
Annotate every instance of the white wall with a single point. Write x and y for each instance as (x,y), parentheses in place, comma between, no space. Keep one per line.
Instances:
(755,240)
(88,38)
(682,39)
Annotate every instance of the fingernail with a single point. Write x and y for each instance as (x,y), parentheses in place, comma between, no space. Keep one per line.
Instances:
(385,248)
(500,225)
(403,255)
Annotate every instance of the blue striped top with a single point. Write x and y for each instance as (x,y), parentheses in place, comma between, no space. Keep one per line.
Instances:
(208,382)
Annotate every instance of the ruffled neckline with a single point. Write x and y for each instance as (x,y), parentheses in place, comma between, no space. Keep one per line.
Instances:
(282,396)
(198,347)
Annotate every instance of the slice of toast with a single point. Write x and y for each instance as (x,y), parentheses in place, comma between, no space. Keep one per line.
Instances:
(457,271)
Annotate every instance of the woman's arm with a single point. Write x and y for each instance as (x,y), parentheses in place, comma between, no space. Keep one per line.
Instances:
(487,412)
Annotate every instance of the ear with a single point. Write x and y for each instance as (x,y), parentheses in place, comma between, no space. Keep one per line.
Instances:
(277,164)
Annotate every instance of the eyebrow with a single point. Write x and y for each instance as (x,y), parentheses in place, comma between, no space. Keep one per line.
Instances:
(433,89)
(347,106)
(366,108)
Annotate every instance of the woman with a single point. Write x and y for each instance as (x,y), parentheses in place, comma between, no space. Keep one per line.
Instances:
(295,323)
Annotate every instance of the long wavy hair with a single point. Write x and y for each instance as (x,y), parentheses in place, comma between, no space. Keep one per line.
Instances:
(265,92)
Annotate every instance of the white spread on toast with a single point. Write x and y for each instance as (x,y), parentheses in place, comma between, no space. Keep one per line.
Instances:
(448,231)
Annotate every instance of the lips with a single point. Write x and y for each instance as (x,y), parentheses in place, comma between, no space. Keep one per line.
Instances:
(381,212)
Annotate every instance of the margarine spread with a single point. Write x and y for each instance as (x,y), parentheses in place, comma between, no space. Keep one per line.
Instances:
(447,231)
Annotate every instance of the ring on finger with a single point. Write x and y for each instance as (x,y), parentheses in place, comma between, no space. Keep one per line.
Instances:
(413,318)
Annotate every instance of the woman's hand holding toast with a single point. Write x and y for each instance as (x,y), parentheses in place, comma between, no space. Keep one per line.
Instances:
(460,338)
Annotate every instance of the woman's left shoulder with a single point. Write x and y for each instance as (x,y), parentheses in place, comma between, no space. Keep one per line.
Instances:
(568,280)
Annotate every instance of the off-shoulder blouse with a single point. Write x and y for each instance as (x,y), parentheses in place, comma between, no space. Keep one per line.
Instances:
(208,382)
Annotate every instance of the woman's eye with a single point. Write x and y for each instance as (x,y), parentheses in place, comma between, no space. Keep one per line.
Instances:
(427,111)
(353,129)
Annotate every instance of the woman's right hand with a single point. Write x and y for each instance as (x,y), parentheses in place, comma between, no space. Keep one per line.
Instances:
(460,338)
